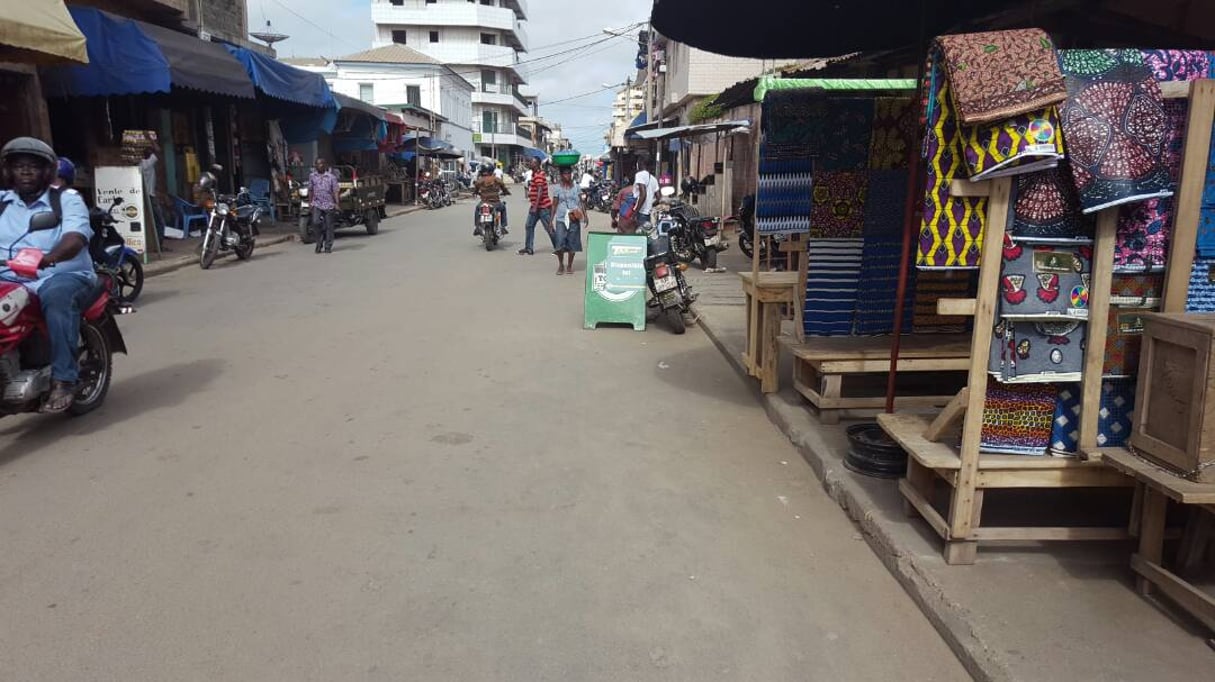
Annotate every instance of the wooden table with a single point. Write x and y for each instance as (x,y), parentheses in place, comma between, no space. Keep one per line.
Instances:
(1158,487)
(765,295)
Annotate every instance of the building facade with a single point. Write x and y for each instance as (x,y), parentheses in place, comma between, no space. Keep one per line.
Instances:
(628,104)
(481,41)
(400,78)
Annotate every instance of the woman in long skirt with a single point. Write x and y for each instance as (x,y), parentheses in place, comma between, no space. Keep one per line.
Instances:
(569,216)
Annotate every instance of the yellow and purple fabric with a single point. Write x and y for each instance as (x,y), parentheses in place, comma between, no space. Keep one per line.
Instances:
(838,210)
(996,75)
(1023,143)
(1113,426)
(951,229)
(1115,125)
(1017,418)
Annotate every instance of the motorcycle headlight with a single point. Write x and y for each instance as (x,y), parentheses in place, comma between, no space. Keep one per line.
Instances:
(221,209)
(303,192)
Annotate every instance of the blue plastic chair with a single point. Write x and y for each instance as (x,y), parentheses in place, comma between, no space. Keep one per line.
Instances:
(259,191)
(188,213)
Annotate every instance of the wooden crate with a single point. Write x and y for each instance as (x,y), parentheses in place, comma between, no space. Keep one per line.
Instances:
(1175,401)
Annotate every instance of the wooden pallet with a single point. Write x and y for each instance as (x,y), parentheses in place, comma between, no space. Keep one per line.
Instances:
(830,371)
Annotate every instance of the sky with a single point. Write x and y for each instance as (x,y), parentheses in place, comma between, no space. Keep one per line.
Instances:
(333,28)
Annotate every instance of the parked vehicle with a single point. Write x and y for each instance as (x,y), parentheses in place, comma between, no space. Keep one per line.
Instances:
(232,223)
(693,236)
(664,276)
(746,230)
(360,202)
(25,358)
(111,255)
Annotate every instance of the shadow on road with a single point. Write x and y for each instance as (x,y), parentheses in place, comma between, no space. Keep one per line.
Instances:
(154,295)
(704,372)
(159,388)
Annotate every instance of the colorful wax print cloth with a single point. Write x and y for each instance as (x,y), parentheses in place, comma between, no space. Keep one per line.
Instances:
(996,75)
(1047,209)
(838,210)
(878,289)
(1141,290)
(885,203)
(1113,426)
(1201,298)
(1124,340)
(894,133)
(832,282)
(834,131)
(951,229)
(1017,418)
(1037,351)
(1115,126)
(1039,281)
(783,199)
(1021,144)
(1142,244)
(1178,65)
(933,285)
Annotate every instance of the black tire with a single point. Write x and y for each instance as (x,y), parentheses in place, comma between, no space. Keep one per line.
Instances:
(675,319)
(373,221)
(96,370)
(709,258)
(306,236)
(244,250)
(683,250)
(210,249)
(128,279)
(487,238)
(745,245)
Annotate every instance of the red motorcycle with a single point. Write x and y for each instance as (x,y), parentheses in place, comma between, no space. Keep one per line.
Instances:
(25,351)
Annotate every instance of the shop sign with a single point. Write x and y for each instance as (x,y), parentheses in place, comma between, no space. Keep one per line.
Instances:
(131,215)
(615,280)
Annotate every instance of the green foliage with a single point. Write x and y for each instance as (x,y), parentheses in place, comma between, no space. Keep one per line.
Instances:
(706,109)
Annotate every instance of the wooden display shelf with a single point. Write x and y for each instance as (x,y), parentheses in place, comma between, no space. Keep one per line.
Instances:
(766,293)
(825,367)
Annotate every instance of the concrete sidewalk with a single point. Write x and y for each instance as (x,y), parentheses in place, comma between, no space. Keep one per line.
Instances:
(1032,611)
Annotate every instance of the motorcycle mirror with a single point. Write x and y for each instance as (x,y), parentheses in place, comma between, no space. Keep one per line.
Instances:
(44,220)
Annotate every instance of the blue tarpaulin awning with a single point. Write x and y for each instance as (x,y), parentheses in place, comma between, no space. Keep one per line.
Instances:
(533,153)
(128,57)
(283,81)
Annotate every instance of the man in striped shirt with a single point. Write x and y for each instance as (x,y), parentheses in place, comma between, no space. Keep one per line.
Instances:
(541,208)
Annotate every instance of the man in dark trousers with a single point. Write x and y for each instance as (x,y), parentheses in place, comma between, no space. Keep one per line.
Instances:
(323,199)
(541,208)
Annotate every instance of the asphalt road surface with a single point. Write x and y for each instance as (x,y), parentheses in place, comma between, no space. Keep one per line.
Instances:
(408,461)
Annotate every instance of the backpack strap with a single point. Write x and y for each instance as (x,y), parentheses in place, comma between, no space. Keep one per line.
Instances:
(56,204)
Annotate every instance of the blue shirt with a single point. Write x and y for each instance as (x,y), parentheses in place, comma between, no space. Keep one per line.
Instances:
(15,235)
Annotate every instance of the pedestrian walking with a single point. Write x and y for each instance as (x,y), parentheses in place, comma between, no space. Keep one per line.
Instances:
(571,214)
(323,198)
(646,187)
(541,210)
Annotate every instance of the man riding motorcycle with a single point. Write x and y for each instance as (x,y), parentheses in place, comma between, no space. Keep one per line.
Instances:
(65,282)
(490,189)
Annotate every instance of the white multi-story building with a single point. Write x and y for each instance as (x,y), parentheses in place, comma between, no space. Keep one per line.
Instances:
(629,102)
(481,40)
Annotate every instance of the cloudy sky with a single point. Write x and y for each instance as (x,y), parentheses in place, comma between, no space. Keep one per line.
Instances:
(337,27)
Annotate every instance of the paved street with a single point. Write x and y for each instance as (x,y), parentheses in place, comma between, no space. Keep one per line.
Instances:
(407,461)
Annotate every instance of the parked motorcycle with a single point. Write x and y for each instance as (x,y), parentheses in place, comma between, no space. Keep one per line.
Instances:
(664,276)
(232,224)
(693,236)
(111,255)
(25,357)
(746,230)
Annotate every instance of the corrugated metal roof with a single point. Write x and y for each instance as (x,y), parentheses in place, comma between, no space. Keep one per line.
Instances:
(390,54)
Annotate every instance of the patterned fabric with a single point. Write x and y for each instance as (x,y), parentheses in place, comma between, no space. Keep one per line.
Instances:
(1017,418)
(951,229)
(1178,65)
(933,285)
(894,127)
(885,202)
(998,74)
(835,131)
(1137,290)
(1114,123)
(1124,341)
(1039,281)
(783,201)
(878,289)
(1143,236)
(832,281)
(1201,298)
(1113,425)
(323,190)
(838,210)
(1021,144)
(1046,208)
(1037,352)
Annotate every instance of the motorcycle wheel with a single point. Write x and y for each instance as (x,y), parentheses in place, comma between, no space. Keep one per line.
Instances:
(129,278)
(675,319)
(210,249)
(487,238)
(744,244)
(306,230)
(96,370)
(683,250)
(373,221)
(709,258)
(244,250)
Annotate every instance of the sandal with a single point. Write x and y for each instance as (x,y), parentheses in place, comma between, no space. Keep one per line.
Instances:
(61,397)
(560,271)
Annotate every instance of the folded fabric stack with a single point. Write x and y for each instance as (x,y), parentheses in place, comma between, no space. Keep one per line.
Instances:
(832,281)
(1130,298)
(1113,425)
(1017,418)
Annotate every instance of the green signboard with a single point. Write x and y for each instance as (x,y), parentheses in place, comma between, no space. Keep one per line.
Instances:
(615,280)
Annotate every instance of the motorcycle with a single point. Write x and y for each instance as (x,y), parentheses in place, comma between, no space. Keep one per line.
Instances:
(112,257)
(490,222)
(25,358)
(664,276)
(746,230)
(693,237)
(231,226)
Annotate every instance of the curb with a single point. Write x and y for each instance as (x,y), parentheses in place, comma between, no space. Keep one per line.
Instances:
(167,265)
(951,620)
